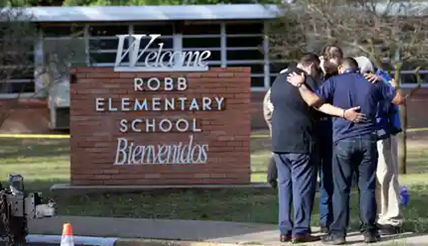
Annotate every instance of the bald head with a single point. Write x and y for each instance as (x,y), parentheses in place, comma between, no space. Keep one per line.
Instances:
(348,64)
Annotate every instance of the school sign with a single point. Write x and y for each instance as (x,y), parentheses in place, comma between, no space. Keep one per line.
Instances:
(159,118)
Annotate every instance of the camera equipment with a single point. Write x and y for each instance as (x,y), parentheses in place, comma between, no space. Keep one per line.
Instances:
(16,206)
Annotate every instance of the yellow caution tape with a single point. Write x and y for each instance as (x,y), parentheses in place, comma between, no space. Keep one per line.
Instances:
(45,136)
(65,136)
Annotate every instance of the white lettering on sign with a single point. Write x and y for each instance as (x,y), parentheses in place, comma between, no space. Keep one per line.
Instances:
(160,125)
(160,104)
(156,61)
(156,84)
(129,153)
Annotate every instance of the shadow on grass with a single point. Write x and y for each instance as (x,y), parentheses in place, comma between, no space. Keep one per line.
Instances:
(15,148)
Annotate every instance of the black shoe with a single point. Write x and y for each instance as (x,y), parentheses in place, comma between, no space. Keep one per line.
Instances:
(283,238)
(332,239)
(304,238)
(371,237)
(389,229)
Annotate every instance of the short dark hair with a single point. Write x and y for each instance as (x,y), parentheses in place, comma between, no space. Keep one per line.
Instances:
(330,68)
(331,51)
(309,59)
(349,62)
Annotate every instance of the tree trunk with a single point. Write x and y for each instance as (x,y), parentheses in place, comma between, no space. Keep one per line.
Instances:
(402,137)
(402,140)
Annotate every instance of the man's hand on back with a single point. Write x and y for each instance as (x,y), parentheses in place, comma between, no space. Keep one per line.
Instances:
(373,78)
(354,115)
(296,79)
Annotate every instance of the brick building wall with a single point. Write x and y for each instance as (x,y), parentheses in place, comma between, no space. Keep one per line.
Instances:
(94,135)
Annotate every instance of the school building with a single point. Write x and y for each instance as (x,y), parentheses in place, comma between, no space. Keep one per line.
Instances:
(236,35)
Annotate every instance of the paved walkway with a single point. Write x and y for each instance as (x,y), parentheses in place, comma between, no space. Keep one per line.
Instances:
(209,231)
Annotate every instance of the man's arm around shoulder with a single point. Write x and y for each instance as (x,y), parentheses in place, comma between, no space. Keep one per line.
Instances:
(390,92)
(326,92)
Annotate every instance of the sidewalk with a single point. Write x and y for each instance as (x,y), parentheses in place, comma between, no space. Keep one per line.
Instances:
(184,230)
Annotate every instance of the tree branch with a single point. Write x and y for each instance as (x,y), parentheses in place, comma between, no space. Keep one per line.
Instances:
(418,86)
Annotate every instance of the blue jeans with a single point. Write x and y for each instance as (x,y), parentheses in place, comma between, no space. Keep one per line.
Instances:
(296,186)
(357,154)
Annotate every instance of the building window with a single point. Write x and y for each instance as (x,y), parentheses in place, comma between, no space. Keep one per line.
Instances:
(244,42)
(72,30)
(201,42)
(16,62)
(245,28)
(17,73)
(199,29)
(250,54)
(257,81)
(103,41)
(201,37)
(164,29)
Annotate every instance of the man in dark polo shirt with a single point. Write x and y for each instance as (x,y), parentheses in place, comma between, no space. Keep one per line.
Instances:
(293,147)
(355,146)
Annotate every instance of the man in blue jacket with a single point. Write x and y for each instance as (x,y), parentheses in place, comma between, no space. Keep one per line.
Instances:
(388,188)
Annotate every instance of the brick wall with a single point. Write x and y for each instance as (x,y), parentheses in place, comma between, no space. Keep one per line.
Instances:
(94,134)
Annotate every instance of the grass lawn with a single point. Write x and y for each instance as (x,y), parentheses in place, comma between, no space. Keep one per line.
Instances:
(44,162)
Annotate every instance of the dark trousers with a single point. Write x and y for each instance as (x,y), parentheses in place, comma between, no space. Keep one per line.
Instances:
(324,147)
(357,154)
(326,181)
(296,186)
(272,173)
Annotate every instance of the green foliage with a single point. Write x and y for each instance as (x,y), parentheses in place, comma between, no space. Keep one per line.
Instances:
(125,2)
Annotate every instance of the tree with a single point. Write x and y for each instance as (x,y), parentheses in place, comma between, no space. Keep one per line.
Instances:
(18,36)
(393,34)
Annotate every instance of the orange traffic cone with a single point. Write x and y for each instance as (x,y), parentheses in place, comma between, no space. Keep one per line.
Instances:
(67,235)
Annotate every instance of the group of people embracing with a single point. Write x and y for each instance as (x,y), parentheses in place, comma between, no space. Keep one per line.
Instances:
(334,116)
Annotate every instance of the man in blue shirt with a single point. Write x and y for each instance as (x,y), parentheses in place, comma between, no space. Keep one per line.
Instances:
(355,146)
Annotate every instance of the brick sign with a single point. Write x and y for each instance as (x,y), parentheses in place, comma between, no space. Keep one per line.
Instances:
(148,128)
